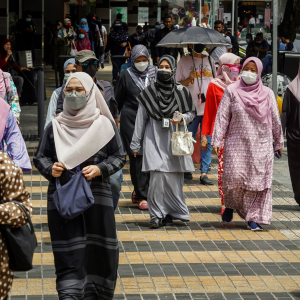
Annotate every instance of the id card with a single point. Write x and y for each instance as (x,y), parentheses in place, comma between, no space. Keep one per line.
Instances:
(165,123)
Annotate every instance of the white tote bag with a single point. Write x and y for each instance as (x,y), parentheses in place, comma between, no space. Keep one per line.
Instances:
(182,142)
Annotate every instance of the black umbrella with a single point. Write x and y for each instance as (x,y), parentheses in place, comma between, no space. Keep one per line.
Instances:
(193,35)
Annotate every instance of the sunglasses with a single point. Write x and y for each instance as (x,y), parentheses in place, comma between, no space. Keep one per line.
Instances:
(87,62)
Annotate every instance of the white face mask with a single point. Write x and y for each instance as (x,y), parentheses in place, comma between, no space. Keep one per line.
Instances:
(67,76)
(142,66)
(249,77)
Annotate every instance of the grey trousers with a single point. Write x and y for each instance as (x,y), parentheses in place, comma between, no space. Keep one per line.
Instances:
(19,81)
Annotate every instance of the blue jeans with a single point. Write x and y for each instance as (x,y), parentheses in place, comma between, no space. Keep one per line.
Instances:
(267,63)
(205,156)
(116,186)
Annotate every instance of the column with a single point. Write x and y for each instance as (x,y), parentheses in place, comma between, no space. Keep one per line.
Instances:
(103,12)
(153,7)
(4,20)
(132,15)
(164,9)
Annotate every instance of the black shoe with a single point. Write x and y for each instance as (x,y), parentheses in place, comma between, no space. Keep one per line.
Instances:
(102,65)
(114,82)
(154,223)
(188,176)
(227,215)
(167,221)
(204,180)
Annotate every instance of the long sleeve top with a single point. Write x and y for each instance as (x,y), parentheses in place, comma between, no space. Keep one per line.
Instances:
(157,145)
(51,113)
(10,213)
(16,147)
(248,146)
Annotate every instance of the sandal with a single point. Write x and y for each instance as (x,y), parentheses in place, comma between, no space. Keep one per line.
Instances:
(133,198)
(143,205)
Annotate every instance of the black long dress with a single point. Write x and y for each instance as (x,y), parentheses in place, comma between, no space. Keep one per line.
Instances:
(85,248)
(291,122)
(126,92)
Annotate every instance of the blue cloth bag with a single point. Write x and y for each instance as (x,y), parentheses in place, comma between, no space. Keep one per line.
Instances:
(74,197)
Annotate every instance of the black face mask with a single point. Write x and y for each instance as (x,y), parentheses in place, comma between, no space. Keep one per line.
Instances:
(163,75)
(198,48)
(90,69)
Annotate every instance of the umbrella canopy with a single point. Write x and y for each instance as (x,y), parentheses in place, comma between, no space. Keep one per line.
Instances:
(193,35)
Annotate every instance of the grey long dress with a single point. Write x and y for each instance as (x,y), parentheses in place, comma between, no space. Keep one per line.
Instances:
(165,194)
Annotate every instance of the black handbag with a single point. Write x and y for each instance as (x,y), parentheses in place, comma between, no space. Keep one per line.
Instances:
(21,243)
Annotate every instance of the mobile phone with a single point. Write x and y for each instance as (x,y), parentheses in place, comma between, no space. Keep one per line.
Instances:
(277,154)
(177,116)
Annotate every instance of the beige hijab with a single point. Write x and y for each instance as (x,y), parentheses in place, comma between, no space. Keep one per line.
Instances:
(78,135)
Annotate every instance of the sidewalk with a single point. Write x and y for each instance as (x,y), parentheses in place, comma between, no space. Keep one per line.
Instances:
(202,259)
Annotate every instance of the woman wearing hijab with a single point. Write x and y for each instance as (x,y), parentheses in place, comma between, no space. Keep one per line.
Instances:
(229,69)
(10,214)
(83,42)
(84,136)
(129,85)
(11,139)
(69,70)
(159,102)
(116,44)
(248,117)
(291,124)
(66,36)
(84,25)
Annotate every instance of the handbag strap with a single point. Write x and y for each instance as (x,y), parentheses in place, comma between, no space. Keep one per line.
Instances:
(58,185)
(185,126)
(27,215)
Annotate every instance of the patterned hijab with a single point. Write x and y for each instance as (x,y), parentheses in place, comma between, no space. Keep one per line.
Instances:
(119,36)
(138,77)
(163,98)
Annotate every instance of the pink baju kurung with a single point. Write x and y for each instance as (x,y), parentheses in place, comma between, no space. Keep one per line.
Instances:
(248,157)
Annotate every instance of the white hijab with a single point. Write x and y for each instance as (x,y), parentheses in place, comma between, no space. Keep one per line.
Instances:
(78,135)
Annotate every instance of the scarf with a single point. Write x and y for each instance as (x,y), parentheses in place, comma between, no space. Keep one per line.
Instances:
(223,79)
(163,98)
(4,110)
(294,86)
(78,135)
(254,98)
(86,26)
(4,84)
(140,78)
(83,44)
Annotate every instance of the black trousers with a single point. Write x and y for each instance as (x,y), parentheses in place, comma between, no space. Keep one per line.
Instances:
(294,166)
(140,180)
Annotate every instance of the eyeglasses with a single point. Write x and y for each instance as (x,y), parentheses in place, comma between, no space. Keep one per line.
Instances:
(165,67)
(87,62)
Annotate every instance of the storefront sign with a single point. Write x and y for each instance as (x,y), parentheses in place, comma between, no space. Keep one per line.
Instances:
(253,3)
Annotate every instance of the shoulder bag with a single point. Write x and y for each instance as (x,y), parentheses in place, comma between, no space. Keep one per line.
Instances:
(20,242)
(182,142)
(74,197)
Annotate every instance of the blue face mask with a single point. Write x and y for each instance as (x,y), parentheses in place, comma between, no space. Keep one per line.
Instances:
(258,42)
(157,26)
(248,41)
(85,27)
(28,19)
(81,36)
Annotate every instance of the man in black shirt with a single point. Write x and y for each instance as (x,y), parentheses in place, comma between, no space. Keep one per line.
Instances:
(160,34)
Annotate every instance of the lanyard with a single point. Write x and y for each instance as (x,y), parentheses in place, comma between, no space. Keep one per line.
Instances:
(146,80)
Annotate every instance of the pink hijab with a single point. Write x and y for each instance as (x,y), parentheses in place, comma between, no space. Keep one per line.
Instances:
(254,98)
(78,135)
(294,86)
(4,110)
(4,83)
(223,79)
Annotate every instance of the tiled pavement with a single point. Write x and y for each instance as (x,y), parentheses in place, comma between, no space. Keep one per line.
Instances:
(202,259)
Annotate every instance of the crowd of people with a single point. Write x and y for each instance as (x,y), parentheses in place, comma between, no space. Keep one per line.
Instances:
(208,91)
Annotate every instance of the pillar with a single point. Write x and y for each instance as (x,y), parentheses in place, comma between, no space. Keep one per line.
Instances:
(4,19)
(153,7)
(132,15)
(164,9)
(103,12)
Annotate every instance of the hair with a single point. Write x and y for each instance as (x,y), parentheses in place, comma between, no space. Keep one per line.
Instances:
(119,16)
(260,34)
(218,22)
(139,27)
(248,34)
(286,35)
(167,17)
(157,23)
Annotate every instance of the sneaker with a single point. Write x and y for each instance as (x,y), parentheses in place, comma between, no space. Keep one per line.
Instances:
(188,176)
(204,180)
(154,223)
(254,226)
(167,221)
(102,65)
(227,215)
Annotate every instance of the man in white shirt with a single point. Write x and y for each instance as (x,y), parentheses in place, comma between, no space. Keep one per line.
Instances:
(216,52)
(103,43)
(252,21)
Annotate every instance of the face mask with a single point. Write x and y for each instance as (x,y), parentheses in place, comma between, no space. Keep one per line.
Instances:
(75,100)
(28,19)
(249,77)
(67,76)
(90,69)
(157,26)
(164,74)
(142,66)
(81,36)
(248,41)
(140,31)
(258,42)
(68,26)
(198,48)
(235,71)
